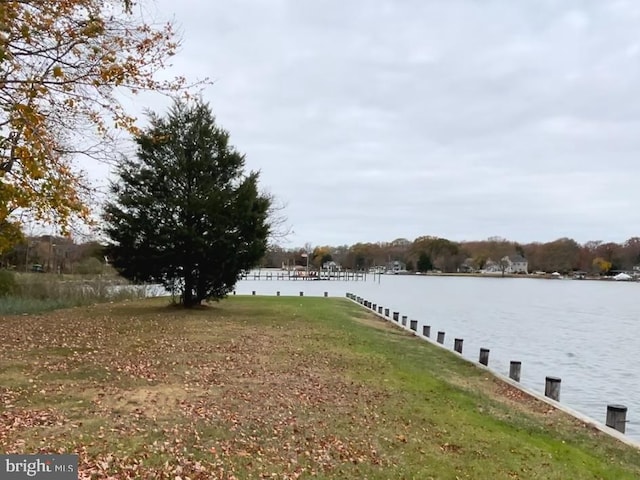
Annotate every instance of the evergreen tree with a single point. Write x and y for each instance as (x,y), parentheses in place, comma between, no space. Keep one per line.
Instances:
(184,213)
(424,262)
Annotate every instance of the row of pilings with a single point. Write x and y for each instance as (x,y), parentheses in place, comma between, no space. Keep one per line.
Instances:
(616,416)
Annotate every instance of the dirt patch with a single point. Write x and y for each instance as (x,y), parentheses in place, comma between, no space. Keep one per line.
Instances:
(515,399)
(152,401)
(376,322)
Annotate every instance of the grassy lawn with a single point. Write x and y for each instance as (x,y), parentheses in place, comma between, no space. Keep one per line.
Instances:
(274,388)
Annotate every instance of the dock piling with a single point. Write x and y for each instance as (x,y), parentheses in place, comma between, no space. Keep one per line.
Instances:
(484,356)
(617,417)
(552,388)
(514,370)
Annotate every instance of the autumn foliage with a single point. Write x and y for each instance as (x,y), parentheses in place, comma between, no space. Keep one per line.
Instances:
(427,253)
(62,65)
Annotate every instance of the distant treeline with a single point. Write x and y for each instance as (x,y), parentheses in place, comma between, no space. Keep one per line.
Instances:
(48,253)
(425,253)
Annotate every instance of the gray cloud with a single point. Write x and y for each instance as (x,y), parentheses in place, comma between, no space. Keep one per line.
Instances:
(458,118)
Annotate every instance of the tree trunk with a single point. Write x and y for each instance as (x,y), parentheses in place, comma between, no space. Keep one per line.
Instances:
(201,289)
(187,296)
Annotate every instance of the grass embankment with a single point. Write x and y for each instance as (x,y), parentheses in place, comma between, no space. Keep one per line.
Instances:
(274,388)
(41,292)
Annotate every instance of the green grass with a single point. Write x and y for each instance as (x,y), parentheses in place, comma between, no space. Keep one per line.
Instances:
(257,387)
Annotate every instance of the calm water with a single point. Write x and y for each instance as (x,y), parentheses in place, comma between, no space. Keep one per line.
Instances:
(585,332)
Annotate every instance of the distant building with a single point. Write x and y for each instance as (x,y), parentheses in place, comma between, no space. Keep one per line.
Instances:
(467,266)
(396,267)
(491,267)
(331,266)
(516,264)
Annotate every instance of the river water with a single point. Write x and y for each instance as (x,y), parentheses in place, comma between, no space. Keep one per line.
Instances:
(585,332)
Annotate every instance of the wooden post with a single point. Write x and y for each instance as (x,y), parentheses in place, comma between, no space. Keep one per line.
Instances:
(440,337)
(413,325)
(375,307)
(326,294)
(278,293)
(514,370)
(234,292)
(404,320)
(302,294)
(386,312)
(617,417)
(552,388)
(379,309)
(484,356)
(426,330)
(396,316)
(253,292)
(457,345)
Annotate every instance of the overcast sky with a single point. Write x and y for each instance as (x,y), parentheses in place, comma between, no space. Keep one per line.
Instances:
(457,118)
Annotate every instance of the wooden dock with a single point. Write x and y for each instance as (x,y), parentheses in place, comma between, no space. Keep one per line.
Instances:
(303,275)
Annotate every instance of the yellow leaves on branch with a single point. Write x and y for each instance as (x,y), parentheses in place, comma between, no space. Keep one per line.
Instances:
(11,235)
(62,64)
(602,265)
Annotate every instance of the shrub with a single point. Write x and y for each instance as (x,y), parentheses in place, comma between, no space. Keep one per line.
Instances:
(90,266)
(7,283)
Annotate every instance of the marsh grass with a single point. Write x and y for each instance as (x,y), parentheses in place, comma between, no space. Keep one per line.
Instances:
(38,292)
(256,387)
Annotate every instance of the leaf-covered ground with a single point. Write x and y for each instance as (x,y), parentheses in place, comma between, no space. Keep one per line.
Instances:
(277,388)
